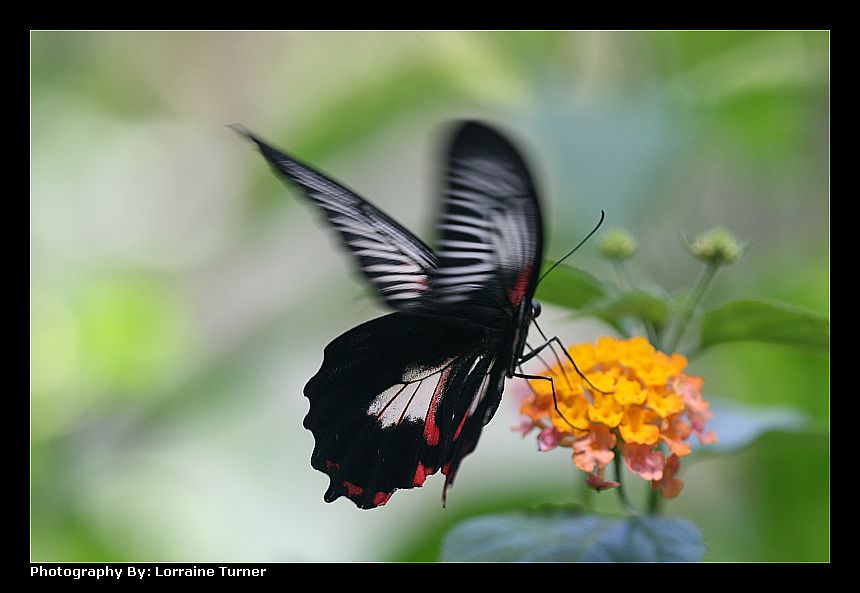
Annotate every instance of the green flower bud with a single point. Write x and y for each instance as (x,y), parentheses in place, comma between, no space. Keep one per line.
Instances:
(717,246)
(618,245)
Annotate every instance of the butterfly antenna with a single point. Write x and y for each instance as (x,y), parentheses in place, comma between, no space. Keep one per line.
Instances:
(572,251)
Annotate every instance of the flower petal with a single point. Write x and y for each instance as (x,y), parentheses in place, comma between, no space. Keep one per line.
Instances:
(575,411)
(643,460)
(676,432)
(606,410)
(548,439)
(629,392)
(664,402)
(637,426)
(595,448)
(669,486)
(598,483)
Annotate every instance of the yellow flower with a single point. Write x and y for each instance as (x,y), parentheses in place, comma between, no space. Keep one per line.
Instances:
(629,392)
(608,351)
(585,355)
(606,410)
(637,353)
(638,427)
(664,402)
(575,410)
(633,401)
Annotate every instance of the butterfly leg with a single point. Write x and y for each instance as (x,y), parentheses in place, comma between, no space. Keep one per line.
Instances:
(552,385)
(556,340)
(535,353)
(548,368)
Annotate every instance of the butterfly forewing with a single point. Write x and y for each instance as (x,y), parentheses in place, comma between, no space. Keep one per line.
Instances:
(490,235)
(395,261)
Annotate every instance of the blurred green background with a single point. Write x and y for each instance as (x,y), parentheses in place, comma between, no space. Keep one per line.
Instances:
(181,297)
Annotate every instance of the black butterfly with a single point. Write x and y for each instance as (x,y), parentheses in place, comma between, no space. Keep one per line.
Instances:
(400,397)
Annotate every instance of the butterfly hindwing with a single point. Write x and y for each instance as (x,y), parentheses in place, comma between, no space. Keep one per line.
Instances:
(383,404)
(396,262)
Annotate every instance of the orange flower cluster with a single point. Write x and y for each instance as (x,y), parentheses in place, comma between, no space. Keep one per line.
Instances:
(647,402)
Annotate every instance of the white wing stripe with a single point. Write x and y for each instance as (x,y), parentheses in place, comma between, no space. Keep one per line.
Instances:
(397,278)
(463,279)
(484,257)
(464,245)
(405,295)
(470,220)
(460,270)
(372,245)
(396,287)
(475,232)
(410,269)
(384,255)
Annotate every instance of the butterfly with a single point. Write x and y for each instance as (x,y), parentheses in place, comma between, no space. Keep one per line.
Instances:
(406,395)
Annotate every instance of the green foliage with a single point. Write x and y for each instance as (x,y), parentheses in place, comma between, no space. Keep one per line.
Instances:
(557,537)
(640,304)
(761,321)
(570,287)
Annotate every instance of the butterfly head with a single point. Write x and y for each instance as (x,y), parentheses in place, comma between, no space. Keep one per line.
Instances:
(535,309)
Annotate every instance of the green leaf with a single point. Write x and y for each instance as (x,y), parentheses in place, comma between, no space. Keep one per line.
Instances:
(737,425)
(760,321)
(564,537)
(638,303)
(570,287)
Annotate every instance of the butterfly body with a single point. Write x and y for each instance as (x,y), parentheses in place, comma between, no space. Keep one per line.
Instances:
(403,396)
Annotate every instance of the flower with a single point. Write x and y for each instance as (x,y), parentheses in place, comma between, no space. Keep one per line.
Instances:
(717,246)
(632,401)
(617,244)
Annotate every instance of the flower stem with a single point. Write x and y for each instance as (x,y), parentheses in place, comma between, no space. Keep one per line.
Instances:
(587,498)
(687,314)
(624,278)
(654,502)
(622,493)
(626,282)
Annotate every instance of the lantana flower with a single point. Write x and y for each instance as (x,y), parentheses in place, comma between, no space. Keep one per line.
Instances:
(634,401)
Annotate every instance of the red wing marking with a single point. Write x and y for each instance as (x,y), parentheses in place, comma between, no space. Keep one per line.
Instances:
(352,489)
(515,294)
(482,391)
(380,498)
(329,464)
(459,428)
(431,429)
(421,474)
